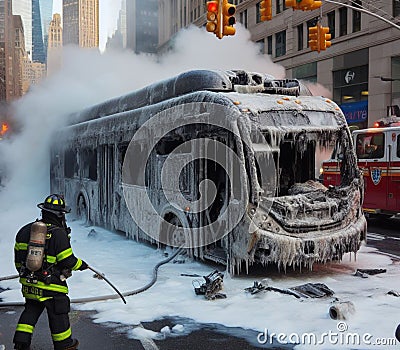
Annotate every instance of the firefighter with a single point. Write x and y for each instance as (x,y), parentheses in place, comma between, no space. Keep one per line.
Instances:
(46,287)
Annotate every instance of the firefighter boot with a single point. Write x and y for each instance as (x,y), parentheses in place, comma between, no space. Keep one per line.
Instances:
(21,346)
(73,346)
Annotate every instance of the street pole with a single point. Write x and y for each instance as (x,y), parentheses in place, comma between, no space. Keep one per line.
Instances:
(220,19)
(364,11)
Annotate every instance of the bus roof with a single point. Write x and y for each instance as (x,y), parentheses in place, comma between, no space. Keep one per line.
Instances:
(189,82)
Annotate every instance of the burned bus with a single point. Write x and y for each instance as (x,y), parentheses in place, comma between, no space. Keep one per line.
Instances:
(225,163)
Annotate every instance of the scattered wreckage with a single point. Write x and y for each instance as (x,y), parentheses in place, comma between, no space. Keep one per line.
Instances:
(248,149)
(338,309)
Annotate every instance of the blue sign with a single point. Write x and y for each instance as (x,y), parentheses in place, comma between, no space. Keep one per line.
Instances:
(355,112)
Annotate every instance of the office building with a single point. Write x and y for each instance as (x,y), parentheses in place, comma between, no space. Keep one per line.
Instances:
(142,25)
(81,23)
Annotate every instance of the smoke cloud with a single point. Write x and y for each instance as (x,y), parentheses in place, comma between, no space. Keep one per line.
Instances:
(88,77)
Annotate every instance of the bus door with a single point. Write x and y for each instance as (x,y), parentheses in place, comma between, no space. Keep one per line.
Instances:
(393,199)
(372,154)
(214,171)
(173,172)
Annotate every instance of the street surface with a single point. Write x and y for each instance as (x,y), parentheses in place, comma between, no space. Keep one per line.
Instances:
(383,235)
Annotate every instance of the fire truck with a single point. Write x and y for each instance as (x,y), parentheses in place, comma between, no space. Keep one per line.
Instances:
(378,158)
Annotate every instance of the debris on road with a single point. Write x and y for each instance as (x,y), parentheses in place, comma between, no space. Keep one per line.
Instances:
(308,290)
(394,293)
(212,286)
(256,288)
(341,310)
(190,275)
(364,273)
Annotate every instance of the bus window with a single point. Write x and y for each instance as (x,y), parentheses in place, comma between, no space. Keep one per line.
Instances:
(122,147)
(370,146)
(89,163)
(70,164)
(167,145)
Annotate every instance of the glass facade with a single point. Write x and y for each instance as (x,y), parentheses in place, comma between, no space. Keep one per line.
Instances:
(350,86)
(306,72)
(38,54)
(41,18)
(46,10)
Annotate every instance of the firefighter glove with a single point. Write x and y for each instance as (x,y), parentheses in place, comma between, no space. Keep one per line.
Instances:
(84,266)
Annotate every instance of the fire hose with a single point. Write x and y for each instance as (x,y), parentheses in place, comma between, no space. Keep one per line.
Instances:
(103,297)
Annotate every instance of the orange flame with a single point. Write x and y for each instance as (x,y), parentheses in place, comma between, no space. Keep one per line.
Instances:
(4,128)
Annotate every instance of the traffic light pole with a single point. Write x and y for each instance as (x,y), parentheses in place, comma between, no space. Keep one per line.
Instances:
(364,11)
(220,19)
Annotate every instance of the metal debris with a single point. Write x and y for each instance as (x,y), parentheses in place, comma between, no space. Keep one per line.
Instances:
(364,273)
(210,289)
(257,287)
(190,275)
(308,290)
(313,290)
(341,310)
(394,293)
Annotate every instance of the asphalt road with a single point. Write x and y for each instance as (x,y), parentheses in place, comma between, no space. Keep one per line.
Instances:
(385,235)
(113,336)
(382,234)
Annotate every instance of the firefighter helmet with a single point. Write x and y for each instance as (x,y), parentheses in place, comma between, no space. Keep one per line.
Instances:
(54,203)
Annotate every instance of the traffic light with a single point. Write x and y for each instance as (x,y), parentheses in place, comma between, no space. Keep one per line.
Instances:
(324,38)
(228,14)
(266,10)
(304,5)
(212,16)
(319,38)
(313,38)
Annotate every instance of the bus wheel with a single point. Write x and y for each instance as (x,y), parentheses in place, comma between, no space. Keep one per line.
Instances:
(173,235)
(82,209)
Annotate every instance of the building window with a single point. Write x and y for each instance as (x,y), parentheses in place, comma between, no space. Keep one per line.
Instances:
(311,23)
(243,18)
(396,82)
(343,21)
(331,23)
(261,45)
(356,16)
(300,37)
(278,6)
(258,14)
(280,43)
(306,72)
(269,45)
(396,8)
